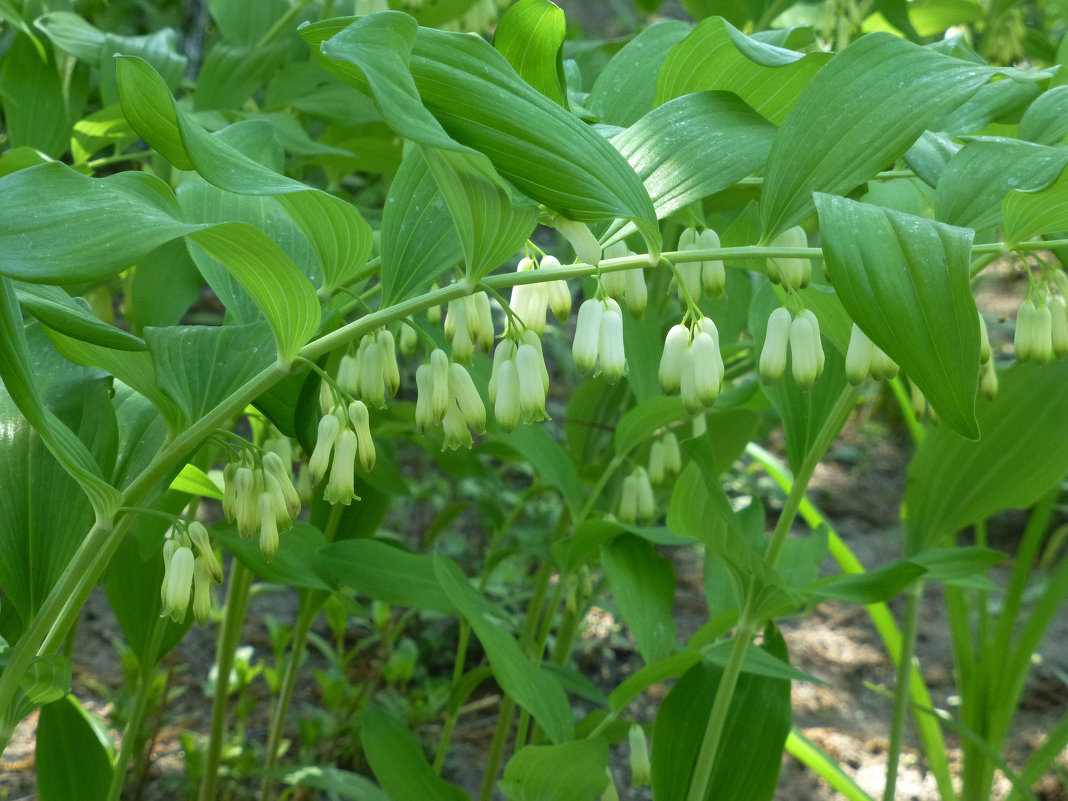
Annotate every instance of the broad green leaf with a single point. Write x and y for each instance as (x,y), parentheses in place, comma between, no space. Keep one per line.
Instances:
(642,421)
(545,151)
(997,101)
(976,180)
(694,146)
(523,680)
(199,366)
(45,516)
(869,587)
(959,564)
(1046,120)
(656,673)
(625,90)
(163,287)
(491,226)
(298,562)
(74,752)
(387,573)
(101,129)
(759,662)
(953,482)
(194,481)
(550,461)
(716,55)
(60,227)
(58,310)
(10,14)
(746,764)
(643,587)
(342,239)
(38,109)
(419,240)
(929,156)
(435,13)
(863,111)
(572,771)
(531,36)
(340,783)
(398,762)
(1027,214)
(230,74)
(905,281)
(246,23)
(281,291)
(47,680)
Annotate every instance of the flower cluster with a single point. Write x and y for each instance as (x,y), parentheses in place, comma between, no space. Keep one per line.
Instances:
(636,500)
(447,397)
(665,458)
(800,337)
(259,496)
(346,434)
(529,301)
(710,276)
(790,272)
(1042,328)
(519,381)
(692,366)
(865,359)
(189,565)
(598,344)
(469,321)
(372,372)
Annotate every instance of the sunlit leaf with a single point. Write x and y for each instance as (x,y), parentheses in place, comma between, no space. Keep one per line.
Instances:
(398,761)
(531,36)
(643,586)
(566,772)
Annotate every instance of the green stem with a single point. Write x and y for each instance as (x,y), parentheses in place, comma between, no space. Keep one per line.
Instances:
(913,595)
(904,402)
(702,773)
(496,754)
(453,714)
(130,734)
(229,637)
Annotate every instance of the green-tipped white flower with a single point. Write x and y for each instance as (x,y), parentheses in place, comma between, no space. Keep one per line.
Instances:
(529,301)
(1024,341)
(425,414)
(646,497)
(672,454)
(455,317)
(202,580)
(341,486)
(480,320)
(528,364)
(372,374)
(177,584)
(1060,280)
(245,514)
(792,273)
(273,489)
(558,292)
(439,398)
(612,360)
(641,770)
(636,292)
(329,429)
(776,346)
(804,342)
(713,273)
(858,356)
(463,346)
(268,527)
(409,341)
(457,435)
(587,336)
(532,339)
(883,368)
(984,341)
(988,380)
(1058,310)
(676,342)
(273,464)
(505,352)
(628,501)
(587,248)
(229,490)
(469,402)
(821,357)
(390,368)
(657,473)
(202,543)
(690,272)
(348,375)
(1042,342)
(506,407)
(361,424)
(708,369)
(614,283)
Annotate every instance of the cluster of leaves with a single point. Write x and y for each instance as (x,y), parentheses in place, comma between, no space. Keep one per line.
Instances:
(325,175)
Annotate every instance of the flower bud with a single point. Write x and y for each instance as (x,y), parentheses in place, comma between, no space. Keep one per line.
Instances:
(229,490)
(656,462)
(532,339)
(505,352)
(628,501)
(699,425)
(439,400)
(409,341)
(425,417)
(776,343)
(531,389)
(646,497)
(672,454)
(792,273)
(245,514)
(348,375)
(468,401)
(480,320)
(274,466)
(177,583)
(268,527)
(1023,342)
(455,317)
(390,368)
(821,357)
(637,293)
(803,346)
(708,369)
(688,383)
(329,428)
(587,248)
(340,488)
(1060,280)
(713,273)
(858,356)
(201,590)
(463,346)
(1042,339)
(506,408)
(1058,325)
(984,341)
(641,770)
(558,292)
(677,341)
(199,535)
(614,284)
(361,424)
(613,362)
(689,272)
(988,380)
(587,336)
(883,368)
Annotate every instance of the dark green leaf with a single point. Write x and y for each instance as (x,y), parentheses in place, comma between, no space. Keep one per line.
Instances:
(905,281)
(643,587)
(37,111)
(387,573)
(47,680)
(398,761)
(531,36)
(641,422)
(1046,120)
(1028,214)
(74,753)
(551,462)
(298,562)
(958,565)
(58,310)
(572,771)
(869,587)
(342,783)
(230,74)
(995,101)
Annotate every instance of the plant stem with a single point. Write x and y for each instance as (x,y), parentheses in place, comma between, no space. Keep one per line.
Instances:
(229,637)
(706,757)
(913,595)
(453,714)
(904,402)
(496,754)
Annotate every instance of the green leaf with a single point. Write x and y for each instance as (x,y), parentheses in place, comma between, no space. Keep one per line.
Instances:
(572,771)
(398,761)
(642,421)
(976,180)
(38,109)
(746,764)
(905,281)
(194,481)
(342,239)
(550,461)
(759,662)
(73,317)
(1046,120)
(643,587)
(953,482)
(692,147)
(546,152)
(961,565)
(230,74)
(869,587)
(997,101)
(625,90)
(530,687)
(863,111)
(47,680)
(387,573)
(716,55)
(246,23)
(298,562)
(655,673)
(531,36)
(104,128)
(1028,214)
(342,783)
(74,753)
(163,287)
